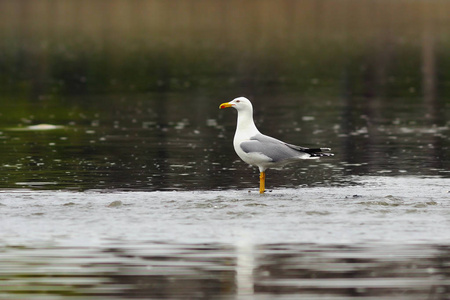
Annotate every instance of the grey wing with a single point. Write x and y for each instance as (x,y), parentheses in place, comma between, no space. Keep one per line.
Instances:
(275,149)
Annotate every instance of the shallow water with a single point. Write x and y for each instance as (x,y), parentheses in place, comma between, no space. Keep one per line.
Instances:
(150,201)
(151,142)
(380,209)
(381,237)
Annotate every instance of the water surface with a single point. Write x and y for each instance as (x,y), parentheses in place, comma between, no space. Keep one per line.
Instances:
(382,237)
(150,142)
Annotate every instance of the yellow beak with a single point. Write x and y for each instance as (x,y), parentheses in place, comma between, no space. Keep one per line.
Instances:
(225,105)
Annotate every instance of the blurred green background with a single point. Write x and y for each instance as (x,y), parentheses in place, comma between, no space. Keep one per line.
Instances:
(326,47)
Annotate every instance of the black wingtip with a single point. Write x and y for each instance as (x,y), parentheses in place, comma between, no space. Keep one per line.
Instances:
(321,154)
(318,152)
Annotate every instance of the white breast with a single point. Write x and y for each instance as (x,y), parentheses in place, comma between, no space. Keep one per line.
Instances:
(252,158)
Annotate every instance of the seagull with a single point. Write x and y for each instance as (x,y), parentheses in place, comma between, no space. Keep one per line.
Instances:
(263,151)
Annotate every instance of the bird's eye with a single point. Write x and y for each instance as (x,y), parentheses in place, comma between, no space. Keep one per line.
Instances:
(237,101)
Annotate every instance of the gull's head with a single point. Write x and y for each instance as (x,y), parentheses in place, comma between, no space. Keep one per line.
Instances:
(240,103)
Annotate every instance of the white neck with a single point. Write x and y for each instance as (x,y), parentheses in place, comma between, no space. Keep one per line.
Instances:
(245,122)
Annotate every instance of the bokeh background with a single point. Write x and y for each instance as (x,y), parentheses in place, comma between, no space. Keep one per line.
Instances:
(133,88)
(118,178)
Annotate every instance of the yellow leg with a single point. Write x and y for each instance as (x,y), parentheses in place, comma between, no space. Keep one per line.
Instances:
(262,182)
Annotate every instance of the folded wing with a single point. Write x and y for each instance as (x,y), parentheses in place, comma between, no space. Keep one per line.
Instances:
(278,150)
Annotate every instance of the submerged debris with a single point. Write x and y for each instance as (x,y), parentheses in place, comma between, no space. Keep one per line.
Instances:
(116,203)
(354,196)
(37,127)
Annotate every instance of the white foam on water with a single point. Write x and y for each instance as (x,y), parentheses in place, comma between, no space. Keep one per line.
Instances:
(377,209)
